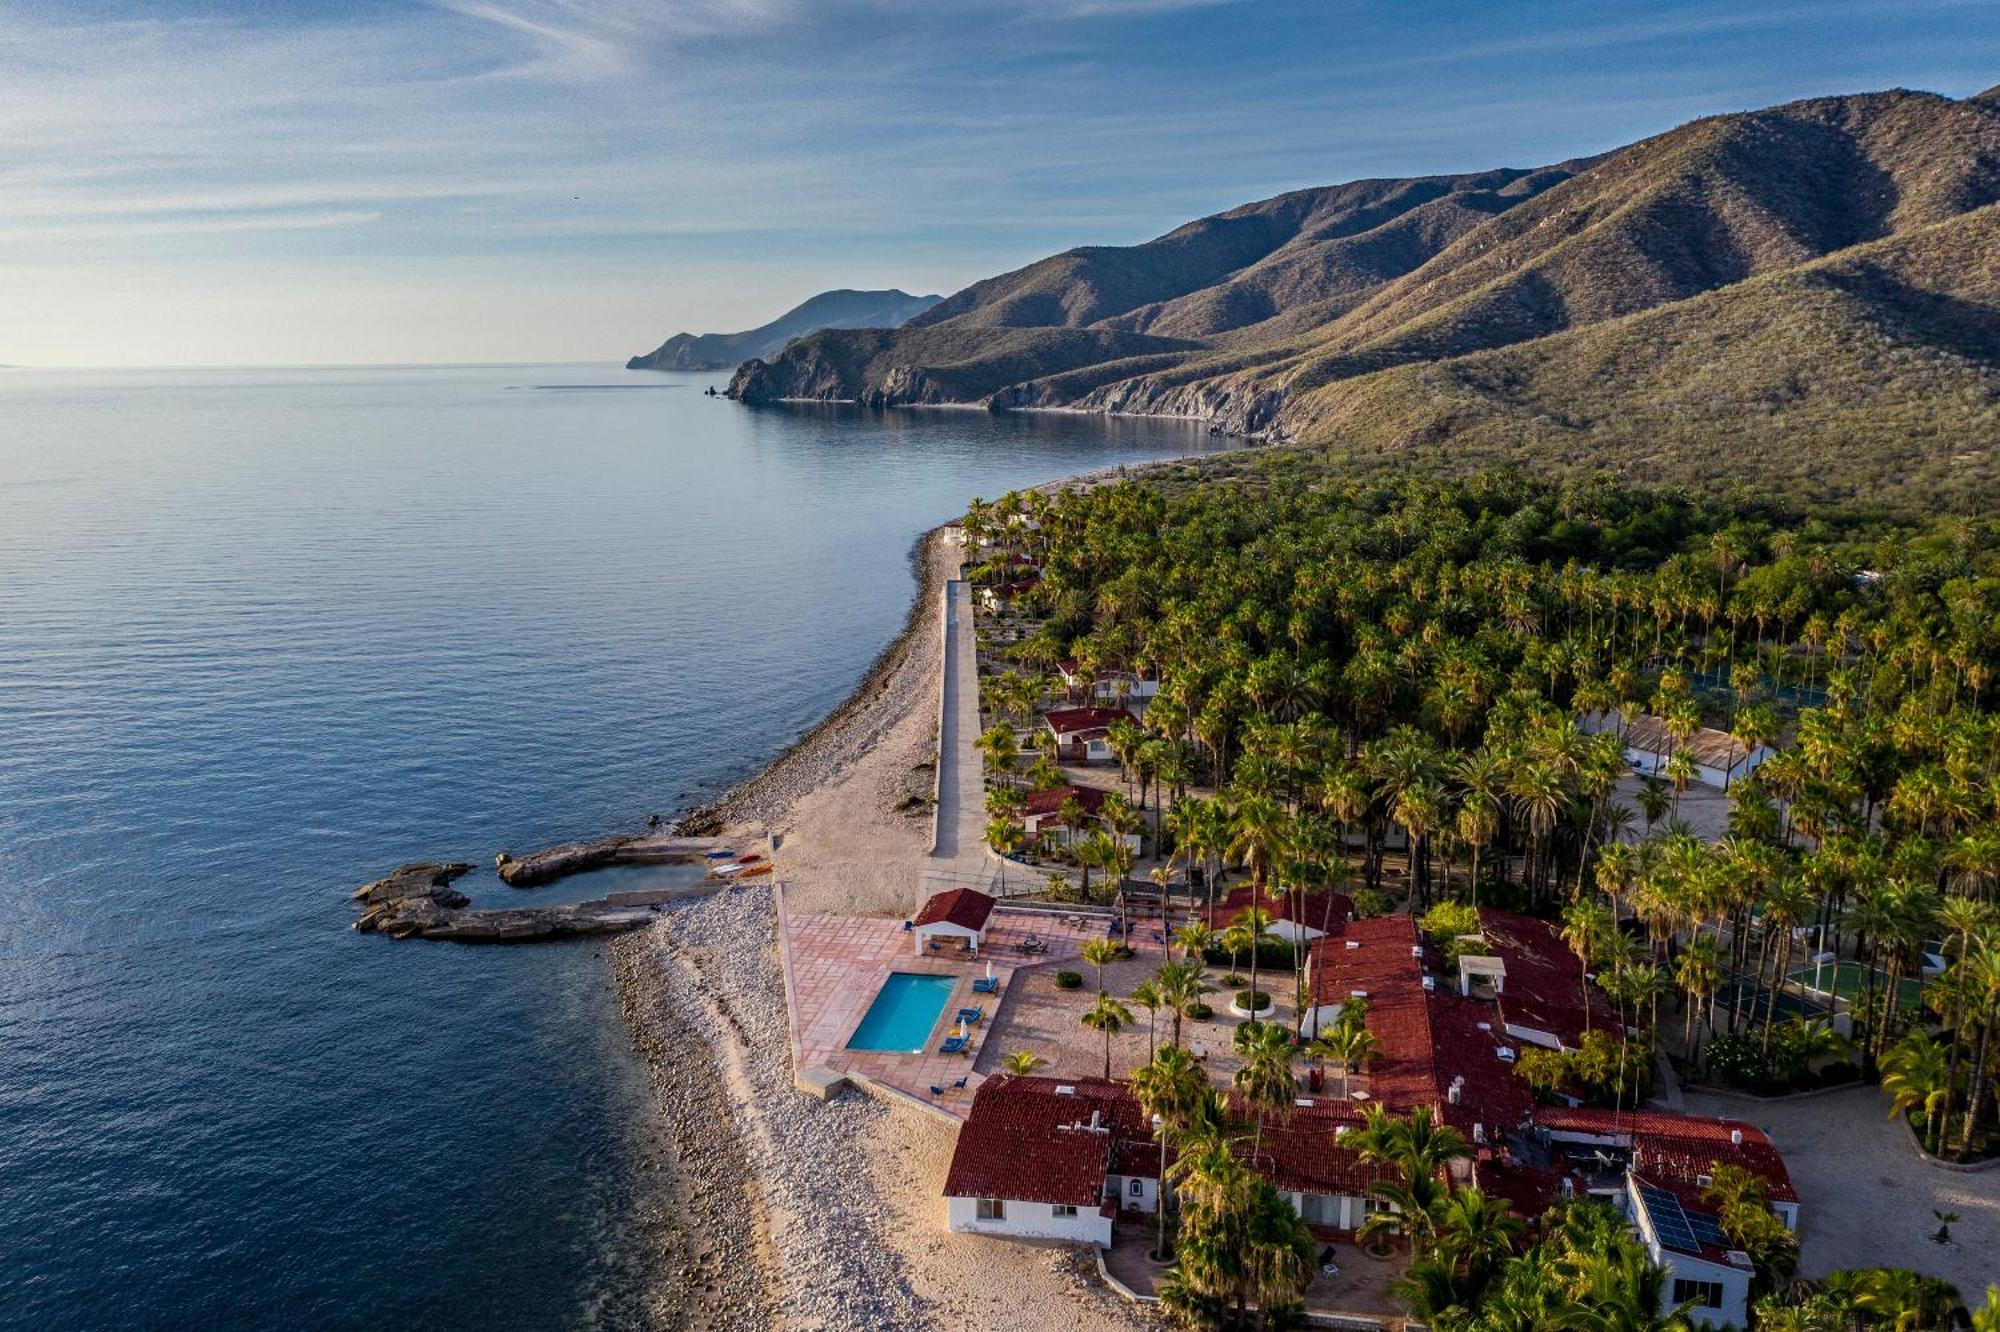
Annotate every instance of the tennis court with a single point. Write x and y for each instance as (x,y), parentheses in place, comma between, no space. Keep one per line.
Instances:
(1754,998)
(1847,981)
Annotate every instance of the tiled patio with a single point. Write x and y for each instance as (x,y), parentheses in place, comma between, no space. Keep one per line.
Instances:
(835,964)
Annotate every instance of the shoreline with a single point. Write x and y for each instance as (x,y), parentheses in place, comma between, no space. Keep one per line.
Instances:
(791,1212)
(845,732)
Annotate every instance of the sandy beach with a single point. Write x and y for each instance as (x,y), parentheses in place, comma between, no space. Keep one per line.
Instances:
(796,1213)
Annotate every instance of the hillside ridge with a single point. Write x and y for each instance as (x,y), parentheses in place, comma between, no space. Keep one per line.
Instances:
(1312,317)
(843,308)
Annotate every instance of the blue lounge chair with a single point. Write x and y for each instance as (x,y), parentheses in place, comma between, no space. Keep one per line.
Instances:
(954,1045)
(960,1084)
(968,1016)
(986,985)
(936,1090)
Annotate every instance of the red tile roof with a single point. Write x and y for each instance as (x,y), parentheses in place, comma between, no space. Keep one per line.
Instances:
(1021,1141)
(1322,911)
(1048,802)
(1027,1142)
(961,906)
(1544,985)
(1428,1040)
(1069,721)
(1675,1149)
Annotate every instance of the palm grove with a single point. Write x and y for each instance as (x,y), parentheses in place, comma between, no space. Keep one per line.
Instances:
(1347,668)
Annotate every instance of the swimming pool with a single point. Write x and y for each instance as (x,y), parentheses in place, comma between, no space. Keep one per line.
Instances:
(904,1011)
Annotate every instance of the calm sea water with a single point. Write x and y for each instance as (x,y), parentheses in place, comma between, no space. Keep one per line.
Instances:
(263,635)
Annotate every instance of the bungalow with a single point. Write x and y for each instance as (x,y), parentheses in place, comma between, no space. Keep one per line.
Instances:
(1719,757)
(1000,596)
(1114,687)
(959,915)
(1041,814)
(1044,1158)
(1667,1161)
(1082,734)
(1294,921)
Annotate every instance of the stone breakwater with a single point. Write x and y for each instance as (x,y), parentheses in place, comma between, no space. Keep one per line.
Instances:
(552,863)
(417,901)
(777,1185)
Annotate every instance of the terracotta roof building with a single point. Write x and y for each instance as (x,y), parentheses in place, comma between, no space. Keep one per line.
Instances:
(958,916)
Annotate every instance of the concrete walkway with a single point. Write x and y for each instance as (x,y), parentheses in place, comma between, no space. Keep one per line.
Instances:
(961,810)
(1865,1200)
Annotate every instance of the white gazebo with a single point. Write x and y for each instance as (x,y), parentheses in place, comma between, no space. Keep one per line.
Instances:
(957,916)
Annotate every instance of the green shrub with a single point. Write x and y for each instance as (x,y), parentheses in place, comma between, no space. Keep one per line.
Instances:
(1068,980)
(1272,955)
(1200,1011)
(1370,903)
(1252,1000)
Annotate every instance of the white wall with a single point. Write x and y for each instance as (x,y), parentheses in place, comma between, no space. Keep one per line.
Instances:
(942,930)
(1026,1220)
(1120,1188)
(1735,1283)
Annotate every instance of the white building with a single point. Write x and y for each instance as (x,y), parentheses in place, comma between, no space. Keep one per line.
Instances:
(1719,757)
(957,918)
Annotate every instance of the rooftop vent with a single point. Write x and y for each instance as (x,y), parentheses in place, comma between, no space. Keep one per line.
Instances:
(1569,1187)
(1506,1052)
(1484,1026)
(1305,1101)
(1096,1120)
(1455,1094)
(1357,994)
(1738,1258)
(1703,1181)
(1065,1090)
(1430,982)
(1479,1133)
(1353,944)
(1416,950)
(1736,1137)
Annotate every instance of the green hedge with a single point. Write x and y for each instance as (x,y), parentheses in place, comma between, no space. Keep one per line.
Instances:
(1272,955)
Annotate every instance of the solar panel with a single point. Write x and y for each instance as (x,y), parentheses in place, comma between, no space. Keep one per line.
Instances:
(1670,1221)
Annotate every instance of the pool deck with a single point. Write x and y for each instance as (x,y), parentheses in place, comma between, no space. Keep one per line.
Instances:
(834,965)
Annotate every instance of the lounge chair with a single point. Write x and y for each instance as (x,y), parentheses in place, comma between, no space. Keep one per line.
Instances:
(968,1016)
(1199,1051)
(986,985)
(960,1084)
(954,1045)
(1159,939)
(936,1090)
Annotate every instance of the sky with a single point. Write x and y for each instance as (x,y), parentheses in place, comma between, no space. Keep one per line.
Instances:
(239,182)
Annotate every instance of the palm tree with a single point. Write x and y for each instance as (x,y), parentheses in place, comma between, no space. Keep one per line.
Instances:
(1265,1076)
(1916,1074)
(1109,1017)
(1171,1090)
(1001,748)
(1180,985)
(1347,1045)
(1589,931)
(1021,1063)
(1146,994)
(1699,974)
(1100,953)
(1005,837)
(1250,933)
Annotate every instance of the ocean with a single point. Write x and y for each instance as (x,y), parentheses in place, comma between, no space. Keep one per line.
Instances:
(264,634)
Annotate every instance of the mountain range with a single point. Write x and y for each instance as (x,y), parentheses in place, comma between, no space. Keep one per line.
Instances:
(1806,295)
(829,309)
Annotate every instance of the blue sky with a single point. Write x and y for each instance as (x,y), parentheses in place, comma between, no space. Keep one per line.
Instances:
(291,181)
